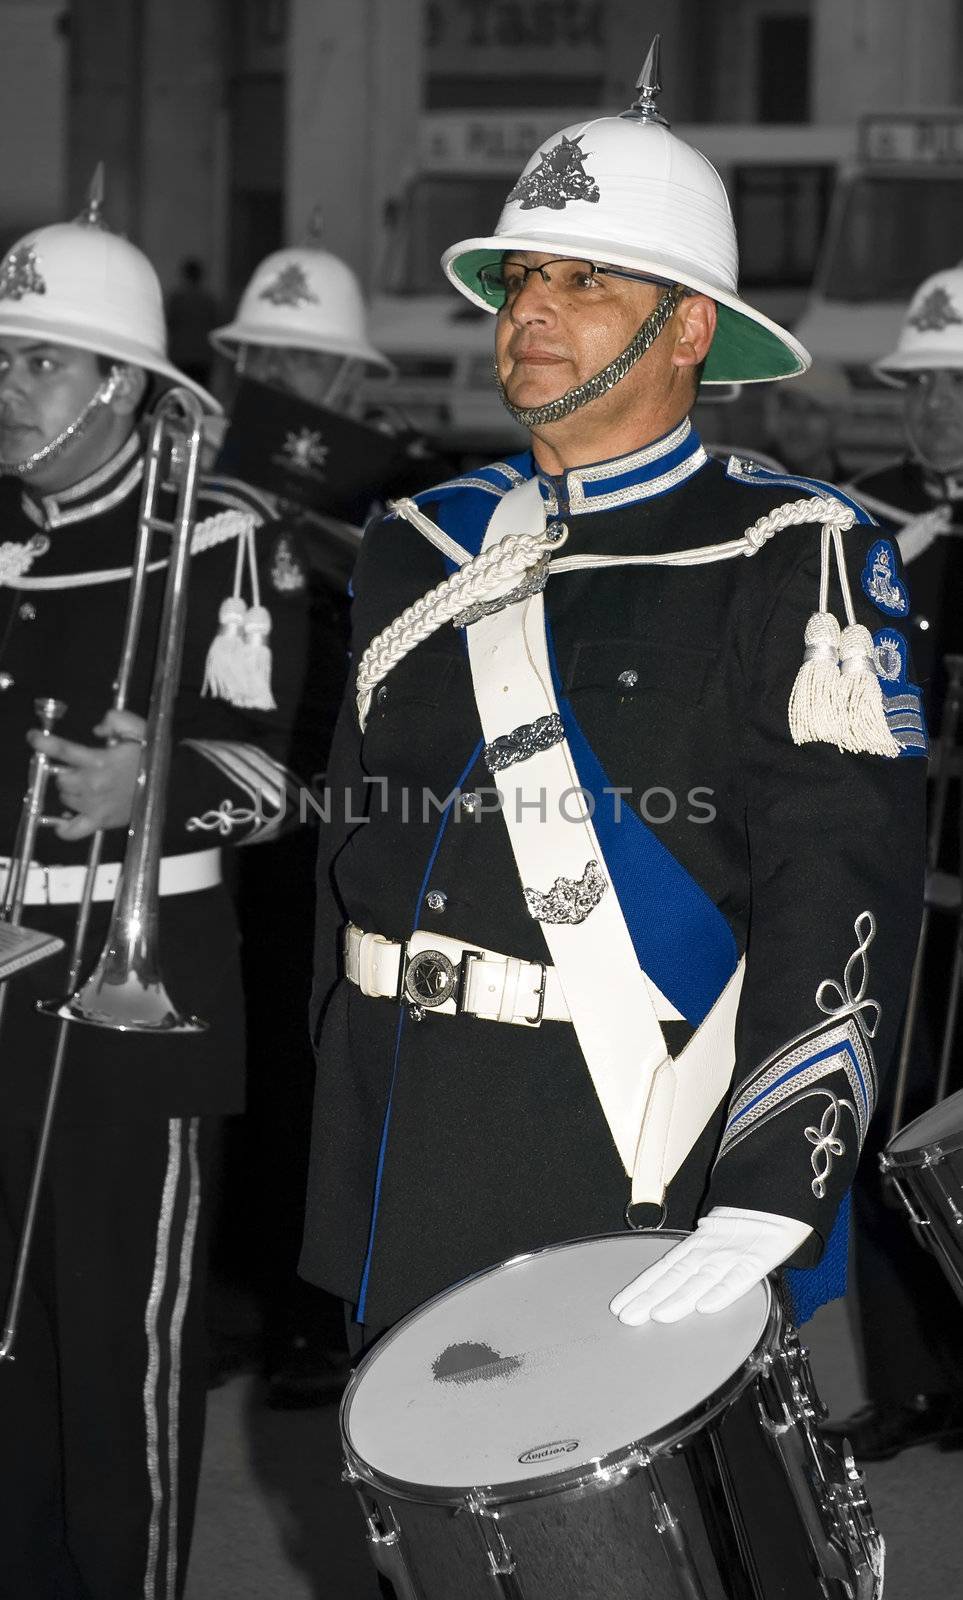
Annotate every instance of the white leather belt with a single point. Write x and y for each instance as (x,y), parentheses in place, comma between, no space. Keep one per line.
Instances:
(63,886)
(449,977)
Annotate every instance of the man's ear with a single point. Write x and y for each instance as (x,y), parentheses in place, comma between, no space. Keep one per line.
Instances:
(696,324)
(129,386)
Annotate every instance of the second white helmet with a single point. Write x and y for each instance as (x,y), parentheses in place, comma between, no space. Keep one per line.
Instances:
(304,299)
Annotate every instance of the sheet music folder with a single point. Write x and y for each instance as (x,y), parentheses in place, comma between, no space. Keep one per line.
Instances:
(21,947)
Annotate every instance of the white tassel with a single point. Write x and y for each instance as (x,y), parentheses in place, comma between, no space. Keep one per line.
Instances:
(257,660)
(238,665)
(861,696)
(814,704)
(224,673)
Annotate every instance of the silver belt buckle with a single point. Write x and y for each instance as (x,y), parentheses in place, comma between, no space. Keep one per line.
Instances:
(431,978)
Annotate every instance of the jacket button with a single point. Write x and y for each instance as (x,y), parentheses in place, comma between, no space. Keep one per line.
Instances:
(469,802)
(629,678)
(27,612)
(6,680)
(382,695)
(436,899)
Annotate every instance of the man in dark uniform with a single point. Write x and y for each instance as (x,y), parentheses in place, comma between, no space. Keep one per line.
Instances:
(103,1407)
(666,970)
(301,351)
(908,1322)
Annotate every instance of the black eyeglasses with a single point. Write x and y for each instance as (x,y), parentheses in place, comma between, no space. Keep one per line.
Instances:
(504,280)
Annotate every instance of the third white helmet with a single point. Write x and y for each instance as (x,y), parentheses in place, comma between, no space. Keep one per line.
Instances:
(303,299)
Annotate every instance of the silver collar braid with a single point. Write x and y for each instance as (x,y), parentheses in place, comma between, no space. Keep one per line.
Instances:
(102,397)
(583,393)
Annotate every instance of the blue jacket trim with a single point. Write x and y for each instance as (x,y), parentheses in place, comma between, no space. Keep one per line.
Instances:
(812,1287)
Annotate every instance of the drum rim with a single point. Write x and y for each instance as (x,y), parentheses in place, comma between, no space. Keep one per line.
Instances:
(631,1457)
(925,1155)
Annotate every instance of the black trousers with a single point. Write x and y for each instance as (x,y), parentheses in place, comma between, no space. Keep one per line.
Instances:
(102,1411)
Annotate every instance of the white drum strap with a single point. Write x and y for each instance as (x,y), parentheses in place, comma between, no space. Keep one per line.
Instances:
(655,1107)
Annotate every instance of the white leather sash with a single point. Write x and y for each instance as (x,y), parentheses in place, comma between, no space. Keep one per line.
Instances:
(655,1107)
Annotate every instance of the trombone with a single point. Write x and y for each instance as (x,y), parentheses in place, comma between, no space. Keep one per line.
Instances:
(125,990)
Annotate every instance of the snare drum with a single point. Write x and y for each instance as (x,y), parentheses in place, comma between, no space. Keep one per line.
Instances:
(513,1438)
(924,1164)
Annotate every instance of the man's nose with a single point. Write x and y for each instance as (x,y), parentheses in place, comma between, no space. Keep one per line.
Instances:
(11,383)
(533,302)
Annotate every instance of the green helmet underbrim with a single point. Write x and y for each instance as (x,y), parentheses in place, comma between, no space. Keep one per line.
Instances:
(747,347)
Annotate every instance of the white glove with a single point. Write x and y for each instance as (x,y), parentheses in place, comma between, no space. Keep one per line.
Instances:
(730,1252)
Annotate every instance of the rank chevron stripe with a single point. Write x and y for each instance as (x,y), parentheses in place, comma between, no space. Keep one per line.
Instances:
(655,1107)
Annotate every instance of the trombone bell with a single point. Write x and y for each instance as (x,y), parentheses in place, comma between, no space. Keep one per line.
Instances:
(130,1006)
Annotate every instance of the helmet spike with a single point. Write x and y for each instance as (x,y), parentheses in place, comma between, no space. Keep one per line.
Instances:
(92,215)
(314,232)
(649,85)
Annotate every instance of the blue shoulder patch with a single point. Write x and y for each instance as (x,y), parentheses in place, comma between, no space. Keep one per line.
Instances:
(902,700)
(751,472)
(880,583)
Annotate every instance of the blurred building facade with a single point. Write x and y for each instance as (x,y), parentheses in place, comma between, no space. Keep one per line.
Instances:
(223,123)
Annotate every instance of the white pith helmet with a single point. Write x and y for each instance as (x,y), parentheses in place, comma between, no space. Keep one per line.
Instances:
(77,284)
(625,191)
(302,298)
(932,331)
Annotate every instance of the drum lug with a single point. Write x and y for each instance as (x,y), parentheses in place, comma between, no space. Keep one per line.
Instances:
(843,1535)
(858,1526)
(384,1540)
(500,1558)
(672,1534)
(916,1221)
(787,1378)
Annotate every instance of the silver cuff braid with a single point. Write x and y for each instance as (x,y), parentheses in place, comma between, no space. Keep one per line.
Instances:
(573,399)
(103,397)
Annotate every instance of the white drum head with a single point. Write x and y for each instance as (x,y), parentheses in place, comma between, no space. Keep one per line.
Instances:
(524,1372)
(942,1125)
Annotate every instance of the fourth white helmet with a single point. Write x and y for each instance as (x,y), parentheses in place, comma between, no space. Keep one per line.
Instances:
(932,331)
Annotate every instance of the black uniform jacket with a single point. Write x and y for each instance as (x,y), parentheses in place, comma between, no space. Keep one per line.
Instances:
(896,493)
(230,780)
(445,1145)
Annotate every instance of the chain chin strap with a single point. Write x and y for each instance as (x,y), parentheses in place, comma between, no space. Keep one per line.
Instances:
(102,397)
(583,393)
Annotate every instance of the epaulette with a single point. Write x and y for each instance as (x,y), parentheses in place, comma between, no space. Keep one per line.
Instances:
(233,494)
(494,480)
(743,469)
(463,506)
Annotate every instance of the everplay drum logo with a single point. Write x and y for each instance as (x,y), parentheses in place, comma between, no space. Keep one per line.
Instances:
(544,1452)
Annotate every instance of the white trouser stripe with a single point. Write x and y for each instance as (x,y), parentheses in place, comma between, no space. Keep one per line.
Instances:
(177,1326)
(158,1283)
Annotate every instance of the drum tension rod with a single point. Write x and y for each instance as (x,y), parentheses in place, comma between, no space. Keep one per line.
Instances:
(499,1555)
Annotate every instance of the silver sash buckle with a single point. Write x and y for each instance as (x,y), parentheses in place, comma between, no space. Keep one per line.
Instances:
(430,978)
